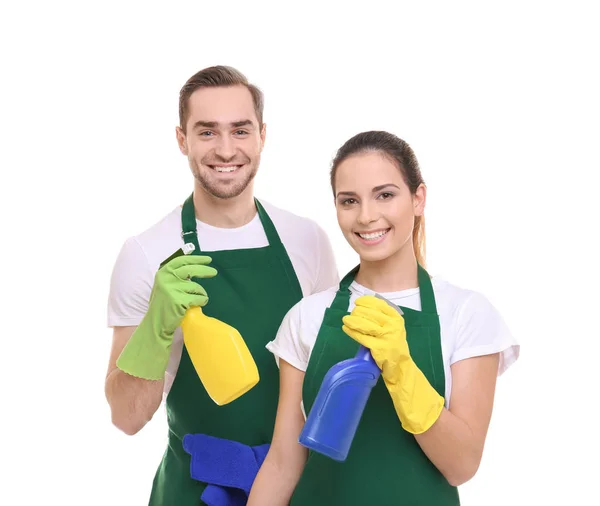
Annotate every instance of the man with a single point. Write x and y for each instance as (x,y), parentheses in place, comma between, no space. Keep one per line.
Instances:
(252,262)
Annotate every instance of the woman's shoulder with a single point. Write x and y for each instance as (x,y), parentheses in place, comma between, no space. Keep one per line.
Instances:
(472,324)
(456,298)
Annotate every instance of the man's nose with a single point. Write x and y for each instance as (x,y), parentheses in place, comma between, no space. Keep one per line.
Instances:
(225,148)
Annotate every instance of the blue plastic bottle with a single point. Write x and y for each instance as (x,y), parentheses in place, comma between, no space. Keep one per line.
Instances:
(339,405)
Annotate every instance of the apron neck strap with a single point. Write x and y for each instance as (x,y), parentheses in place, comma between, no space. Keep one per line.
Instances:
(189,231)
(342,297)
(426,291)
(269,228)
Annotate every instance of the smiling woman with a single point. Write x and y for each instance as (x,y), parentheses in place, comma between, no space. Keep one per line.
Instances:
(380,200)
(426,423)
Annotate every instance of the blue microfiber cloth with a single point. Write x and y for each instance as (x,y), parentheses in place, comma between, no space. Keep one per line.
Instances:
(228,467)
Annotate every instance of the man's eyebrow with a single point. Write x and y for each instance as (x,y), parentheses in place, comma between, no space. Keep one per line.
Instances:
(215,124)
(205,124)
(241,123)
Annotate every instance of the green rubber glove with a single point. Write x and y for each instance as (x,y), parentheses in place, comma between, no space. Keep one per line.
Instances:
(146,355)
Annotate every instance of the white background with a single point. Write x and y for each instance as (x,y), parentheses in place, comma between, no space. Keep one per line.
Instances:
(499,101)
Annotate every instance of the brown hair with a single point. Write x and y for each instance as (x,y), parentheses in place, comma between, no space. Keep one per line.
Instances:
(402,155)
(213,77)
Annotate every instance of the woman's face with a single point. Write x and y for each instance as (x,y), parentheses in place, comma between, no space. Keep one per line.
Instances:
(375,209)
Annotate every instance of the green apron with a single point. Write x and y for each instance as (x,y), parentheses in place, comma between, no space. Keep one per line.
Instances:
(385,465)
(253,290)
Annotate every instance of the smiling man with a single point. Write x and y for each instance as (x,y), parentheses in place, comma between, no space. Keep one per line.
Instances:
(251,263)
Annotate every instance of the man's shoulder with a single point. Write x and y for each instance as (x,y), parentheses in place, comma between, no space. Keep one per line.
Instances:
(169,223)
(162,238)
(314,305)
(290,222)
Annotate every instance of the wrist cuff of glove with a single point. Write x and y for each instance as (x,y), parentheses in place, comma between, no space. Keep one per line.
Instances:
(425,422)
(146,355)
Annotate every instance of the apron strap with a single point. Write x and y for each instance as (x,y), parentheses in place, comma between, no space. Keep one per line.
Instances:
(342,297)
(189,232)
(278,247)
(426,291)
(270,231)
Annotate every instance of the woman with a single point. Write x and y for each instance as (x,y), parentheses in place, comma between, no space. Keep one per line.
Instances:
(423,429)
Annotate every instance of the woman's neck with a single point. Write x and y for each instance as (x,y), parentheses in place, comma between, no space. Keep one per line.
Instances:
(393,274)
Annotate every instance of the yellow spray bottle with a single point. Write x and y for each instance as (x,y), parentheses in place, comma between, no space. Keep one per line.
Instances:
(220,356)
(218,352)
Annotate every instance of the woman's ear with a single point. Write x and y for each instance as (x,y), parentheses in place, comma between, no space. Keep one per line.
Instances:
(419,200)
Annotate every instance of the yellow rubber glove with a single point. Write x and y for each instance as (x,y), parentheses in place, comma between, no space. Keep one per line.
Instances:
(379,327)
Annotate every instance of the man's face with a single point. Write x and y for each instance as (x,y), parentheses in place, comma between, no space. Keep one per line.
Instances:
(223,140)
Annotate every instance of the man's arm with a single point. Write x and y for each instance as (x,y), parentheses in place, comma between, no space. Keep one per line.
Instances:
(133,401)
(140,354)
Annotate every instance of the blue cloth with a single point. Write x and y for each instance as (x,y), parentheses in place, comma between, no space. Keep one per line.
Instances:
(228,467)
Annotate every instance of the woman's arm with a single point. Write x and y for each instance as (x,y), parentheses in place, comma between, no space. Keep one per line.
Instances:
(454,443)
(283,465)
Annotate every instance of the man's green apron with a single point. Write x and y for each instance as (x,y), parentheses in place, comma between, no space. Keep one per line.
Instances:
(253,290)
(385,465)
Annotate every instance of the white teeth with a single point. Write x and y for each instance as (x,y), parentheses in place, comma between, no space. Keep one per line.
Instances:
(374,235)
(226,169)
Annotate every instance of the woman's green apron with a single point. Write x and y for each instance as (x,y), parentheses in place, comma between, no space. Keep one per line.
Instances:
(385,465)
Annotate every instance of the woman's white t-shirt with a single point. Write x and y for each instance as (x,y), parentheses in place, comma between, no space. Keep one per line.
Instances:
(470,326)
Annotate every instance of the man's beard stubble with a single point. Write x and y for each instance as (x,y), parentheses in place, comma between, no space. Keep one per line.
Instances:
(220,190)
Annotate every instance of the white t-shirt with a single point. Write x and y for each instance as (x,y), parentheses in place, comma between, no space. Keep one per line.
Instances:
(306,244)
(470,326)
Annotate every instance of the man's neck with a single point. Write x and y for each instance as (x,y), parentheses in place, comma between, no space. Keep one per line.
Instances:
(224,213)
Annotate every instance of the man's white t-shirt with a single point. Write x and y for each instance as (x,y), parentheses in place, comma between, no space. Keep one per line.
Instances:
(470,326)
(132,278)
